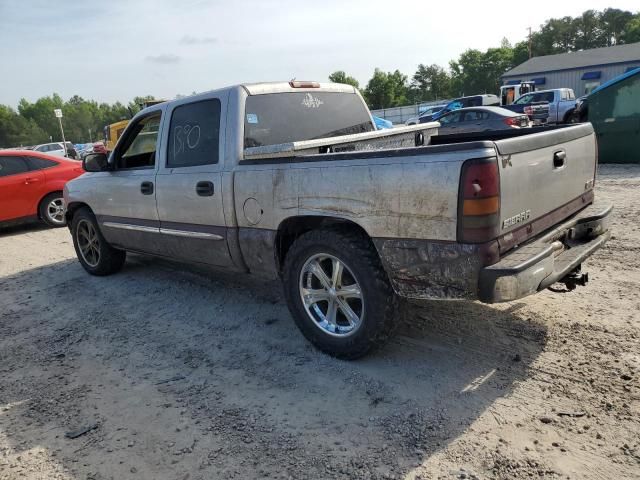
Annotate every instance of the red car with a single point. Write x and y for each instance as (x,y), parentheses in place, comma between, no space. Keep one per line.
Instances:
(31,186)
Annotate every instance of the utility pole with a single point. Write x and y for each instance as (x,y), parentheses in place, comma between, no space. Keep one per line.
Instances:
(58,114)
(90,139)
(529,41)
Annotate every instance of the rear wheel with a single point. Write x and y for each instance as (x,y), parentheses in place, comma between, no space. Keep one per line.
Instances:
(94,253)
(338,292)
(51,210)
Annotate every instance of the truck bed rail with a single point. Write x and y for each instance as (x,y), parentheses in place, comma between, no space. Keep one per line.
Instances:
(399,137)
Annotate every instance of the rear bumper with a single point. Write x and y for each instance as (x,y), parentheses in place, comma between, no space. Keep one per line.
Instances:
(537,265)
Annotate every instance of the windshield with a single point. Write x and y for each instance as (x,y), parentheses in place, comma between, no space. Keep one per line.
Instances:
(294,116)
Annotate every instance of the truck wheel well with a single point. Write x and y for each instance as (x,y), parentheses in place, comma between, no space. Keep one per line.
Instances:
(568,115)
(291,228)
(72,208)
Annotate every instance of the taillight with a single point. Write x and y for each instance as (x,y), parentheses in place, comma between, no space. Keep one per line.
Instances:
(512,121)
(479,201)
(301,84)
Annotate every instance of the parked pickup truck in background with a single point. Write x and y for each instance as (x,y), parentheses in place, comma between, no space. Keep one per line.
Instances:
(559,102)
(290,181)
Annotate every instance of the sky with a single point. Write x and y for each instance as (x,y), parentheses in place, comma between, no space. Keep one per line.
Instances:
(111,50)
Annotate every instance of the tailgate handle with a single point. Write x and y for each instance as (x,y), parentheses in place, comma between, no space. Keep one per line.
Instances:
(559,158)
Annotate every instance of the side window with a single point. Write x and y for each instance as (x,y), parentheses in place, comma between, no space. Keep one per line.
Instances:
(474,116)
(547,97)
(36,163)
(12,166)
(139,148)
(194,134)
(449,118)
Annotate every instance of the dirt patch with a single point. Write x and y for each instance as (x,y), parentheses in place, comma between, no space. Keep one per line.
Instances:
(180,374)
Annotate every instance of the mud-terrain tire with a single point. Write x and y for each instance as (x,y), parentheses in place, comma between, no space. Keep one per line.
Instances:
(51,211)
(94,253)
(361,272)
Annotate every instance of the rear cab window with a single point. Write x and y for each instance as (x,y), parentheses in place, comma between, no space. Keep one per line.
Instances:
(275,118)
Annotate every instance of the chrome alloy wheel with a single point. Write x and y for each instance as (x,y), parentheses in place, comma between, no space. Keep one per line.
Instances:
(55,211)
(331,295)
(88,243)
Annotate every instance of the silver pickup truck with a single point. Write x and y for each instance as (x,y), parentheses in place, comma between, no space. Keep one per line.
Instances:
(290,181)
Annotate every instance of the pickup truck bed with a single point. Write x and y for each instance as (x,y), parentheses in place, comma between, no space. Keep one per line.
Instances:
(492,216)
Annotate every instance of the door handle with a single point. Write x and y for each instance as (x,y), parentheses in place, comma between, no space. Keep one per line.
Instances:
(204,189)
(31,180)
(146,188)
(559,159)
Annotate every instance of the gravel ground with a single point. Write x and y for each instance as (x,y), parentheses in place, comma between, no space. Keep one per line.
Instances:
(199,375)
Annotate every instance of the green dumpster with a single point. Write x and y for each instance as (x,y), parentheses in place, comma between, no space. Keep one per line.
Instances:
(614,111)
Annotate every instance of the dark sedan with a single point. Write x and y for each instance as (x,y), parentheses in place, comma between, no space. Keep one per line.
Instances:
(481,119)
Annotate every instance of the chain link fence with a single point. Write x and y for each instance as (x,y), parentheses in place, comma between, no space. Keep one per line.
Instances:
(399,115)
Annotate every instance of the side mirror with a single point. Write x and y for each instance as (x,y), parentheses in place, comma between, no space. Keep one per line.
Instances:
(95,162)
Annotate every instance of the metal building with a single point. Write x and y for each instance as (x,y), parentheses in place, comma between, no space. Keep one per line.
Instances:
(582,71)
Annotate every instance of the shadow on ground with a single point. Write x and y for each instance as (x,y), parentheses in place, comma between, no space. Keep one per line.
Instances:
(196,374)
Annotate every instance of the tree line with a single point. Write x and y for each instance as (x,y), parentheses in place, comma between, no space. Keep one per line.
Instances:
(476,72)
(473,72)
(83,121)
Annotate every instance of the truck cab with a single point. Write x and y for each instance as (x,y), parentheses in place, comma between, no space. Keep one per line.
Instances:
(561,103)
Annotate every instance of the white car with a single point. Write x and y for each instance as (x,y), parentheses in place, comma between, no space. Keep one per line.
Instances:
(57,149)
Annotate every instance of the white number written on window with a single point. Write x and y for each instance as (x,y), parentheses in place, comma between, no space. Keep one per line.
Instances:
(185,137)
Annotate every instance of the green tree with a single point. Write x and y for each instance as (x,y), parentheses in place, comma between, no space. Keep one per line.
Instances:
(430,82)
(589,33)
(632,30)
(386,89)
(613,24)
(340,76)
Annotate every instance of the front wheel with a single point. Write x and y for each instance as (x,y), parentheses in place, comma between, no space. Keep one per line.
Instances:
(338,292)
(94,253)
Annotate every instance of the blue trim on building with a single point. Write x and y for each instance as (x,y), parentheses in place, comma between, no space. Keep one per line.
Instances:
(513,82)
(568,69)
(591,75)
(539,80)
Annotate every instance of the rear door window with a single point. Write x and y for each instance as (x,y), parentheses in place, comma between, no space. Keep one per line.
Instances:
(12,166)
(194,134)
(36,163)
(295,116)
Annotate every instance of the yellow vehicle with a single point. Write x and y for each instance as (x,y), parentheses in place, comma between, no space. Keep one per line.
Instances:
(112,134)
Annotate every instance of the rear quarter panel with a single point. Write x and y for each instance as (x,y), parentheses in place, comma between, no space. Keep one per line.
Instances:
(411,196)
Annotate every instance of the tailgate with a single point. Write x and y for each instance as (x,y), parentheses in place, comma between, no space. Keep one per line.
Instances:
(545,175)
